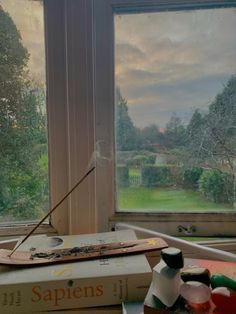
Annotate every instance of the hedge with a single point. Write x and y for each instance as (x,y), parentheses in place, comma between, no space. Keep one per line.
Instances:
(157,175)
(122,176)
(141,159)
(191,177)
(217,186)
(137,161)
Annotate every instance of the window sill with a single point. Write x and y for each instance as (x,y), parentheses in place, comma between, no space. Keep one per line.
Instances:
(217,225)
(13,231)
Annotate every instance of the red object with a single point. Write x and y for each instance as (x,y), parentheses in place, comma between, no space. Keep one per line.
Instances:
(200,306)
(224,300)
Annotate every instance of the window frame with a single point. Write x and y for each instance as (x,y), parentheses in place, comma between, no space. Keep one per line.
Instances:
(8,230)
(70,113)
(79,37)
(208,224)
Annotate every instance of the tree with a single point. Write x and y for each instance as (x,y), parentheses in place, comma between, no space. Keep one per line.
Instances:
(212,137)
(194,134)
(194,125)
(126,132)
(220,141)
(152,138)
(23,135)
(212,144)
(175,132)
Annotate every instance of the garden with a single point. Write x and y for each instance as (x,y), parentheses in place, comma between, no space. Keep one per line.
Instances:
(169,188)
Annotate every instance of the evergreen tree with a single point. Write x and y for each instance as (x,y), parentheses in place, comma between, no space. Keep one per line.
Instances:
(152,138)
(126,132)
(175,132)
(212,137)
(220,140)
(194,134)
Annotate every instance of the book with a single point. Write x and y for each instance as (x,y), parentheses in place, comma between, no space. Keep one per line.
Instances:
(83,284)
(112,309)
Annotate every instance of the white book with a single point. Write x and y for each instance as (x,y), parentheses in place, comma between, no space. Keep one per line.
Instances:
(83,284)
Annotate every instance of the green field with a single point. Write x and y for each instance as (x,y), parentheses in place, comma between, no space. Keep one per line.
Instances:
(141,199)
(134,172)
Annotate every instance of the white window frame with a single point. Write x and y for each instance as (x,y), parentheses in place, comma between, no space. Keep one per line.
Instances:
(70,110)
(208,224)
(80,99)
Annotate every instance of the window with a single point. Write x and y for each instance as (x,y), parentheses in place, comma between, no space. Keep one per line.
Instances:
(115,21)
(80,71)
(175,112)
(24,187)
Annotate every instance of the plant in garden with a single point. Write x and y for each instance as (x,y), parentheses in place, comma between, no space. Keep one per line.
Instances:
(122,174)
(217,186)
(191,177)
(156,176)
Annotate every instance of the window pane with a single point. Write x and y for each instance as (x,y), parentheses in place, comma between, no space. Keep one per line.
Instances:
(176,111)
(23,124)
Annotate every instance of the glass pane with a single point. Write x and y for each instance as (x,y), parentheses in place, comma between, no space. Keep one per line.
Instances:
(23,121)
(176,111)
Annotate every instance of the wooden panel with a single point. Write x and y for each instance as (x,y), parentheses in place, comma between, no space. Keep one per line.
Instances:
(82,216)
(188,247)
(57,109)
(104,101)
(209,224)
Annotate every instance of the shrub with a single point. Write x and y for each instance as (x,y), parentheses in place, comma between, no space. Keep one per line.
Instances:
(151,159)
(122,176)
(138,161)
(140,158)
(191,177)
(156,176)
(217,186)
(177,174)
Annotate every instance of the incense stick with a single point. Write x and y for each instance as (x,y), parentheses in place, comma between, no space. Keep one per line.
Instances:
(52,210)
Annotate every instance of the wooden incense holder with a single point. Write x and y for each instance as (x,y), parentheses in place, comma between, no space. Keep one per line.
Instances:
(47,257)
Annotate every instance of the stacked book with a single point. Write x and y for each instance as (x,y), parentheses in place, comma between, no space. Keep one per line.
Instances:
(94,286)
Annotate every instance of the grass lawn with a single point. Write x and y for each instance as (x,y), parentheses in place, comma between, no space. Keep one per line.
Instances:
(134,172)
(141,199)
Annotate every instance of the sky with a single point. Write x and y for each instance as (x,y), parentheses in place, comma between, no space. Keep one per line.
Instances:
(165,63)
(29,20)
(173,62)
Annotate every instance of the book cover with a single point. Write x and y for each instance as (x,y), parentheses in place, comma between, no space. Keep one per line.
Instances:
(75,285)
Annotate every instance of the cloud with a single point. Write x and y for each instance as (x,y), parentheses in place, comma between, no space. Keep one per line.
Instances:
(29,20)
(181,61)
(149,103)
(165,62)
